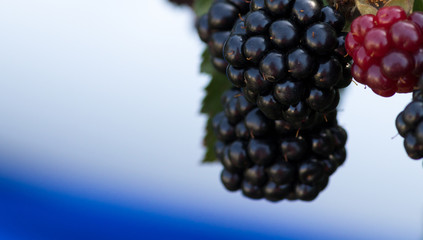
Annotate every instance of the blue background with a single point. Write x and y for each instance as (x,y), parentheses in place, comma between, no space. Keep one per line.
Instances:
(100,137)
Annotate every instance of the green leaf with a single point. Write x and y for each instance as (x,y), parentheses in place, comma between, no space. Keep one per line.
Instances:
(211,104)
(206,65)
(407,5)
(202,6)
(209,141)
(214,91)
(347,26)
(418,5)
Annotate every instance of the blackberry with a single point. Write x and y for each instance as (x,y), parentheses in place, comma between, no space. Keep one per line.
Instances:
(215,27)
(290,60)
(274,159)
(386,49)
(409,124)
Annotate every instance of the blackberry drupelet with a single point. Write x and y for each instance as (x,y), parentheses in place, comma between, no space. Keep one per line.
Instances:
(274,159)
(409,124)
(290,60)
(215,26)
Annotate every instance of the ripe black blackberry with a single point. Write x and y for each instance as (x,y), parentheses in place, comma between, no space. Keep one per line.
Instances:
(274,159)
(215,26)
(409,124)
(289,60)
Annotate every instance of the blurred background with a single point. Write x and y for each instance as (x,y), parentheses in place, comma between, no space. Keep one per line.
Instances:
(101,138)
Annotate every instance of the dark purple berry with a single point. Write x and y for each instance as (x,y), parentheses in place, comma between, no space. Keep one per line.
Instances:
(305,12)
(329,167)
(226,162)
(320,99)
(219,148)
(252,191)
(310,171)
(281,172)
(256,175)
(297,113)
(241,131)
(322,143)
(250,95)
(231,181)
(274,192)
(228,95)
(239,27)
(225,131)
(322,183)
(203,29)
(270,107)
(257,22)
(242,5)
(236,76)
(413,148)
(331,107)
(338,156)
(284,34)
(294,149)
(419,133)
(231,111)
(306,192)
(222,15)
(321,38)
(278,7)
(233,51)
(216,120)
(300,63)
(256,82)
(255,48)
(329,73)
(238,155)
(256,5)
(244,106)
(216,42)
(257,124)
(273,67)
(413,113)
(339,136)
(261,152)
(219,63)
(333,18)
(289,92)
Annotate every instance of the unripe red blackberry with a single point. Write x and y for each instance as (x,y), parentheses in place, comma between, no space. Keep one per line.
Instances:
(386,49)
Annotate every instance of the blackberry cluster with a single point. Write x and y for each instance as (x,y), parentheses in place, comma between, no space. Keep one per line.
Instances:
(215,26)
(273,159)
(387,49)
(409,124)
(288,56)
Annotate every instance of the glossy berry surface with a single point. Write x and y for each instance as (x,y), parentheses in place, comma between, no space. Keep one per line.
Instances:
(215,27)
(289,49)
(409,124)
(386,49)
(274,159)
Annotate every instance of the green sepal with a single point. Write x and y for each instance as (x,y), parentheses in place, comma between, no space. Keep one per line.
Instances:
(211,104)
(418,5)
(202,6)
